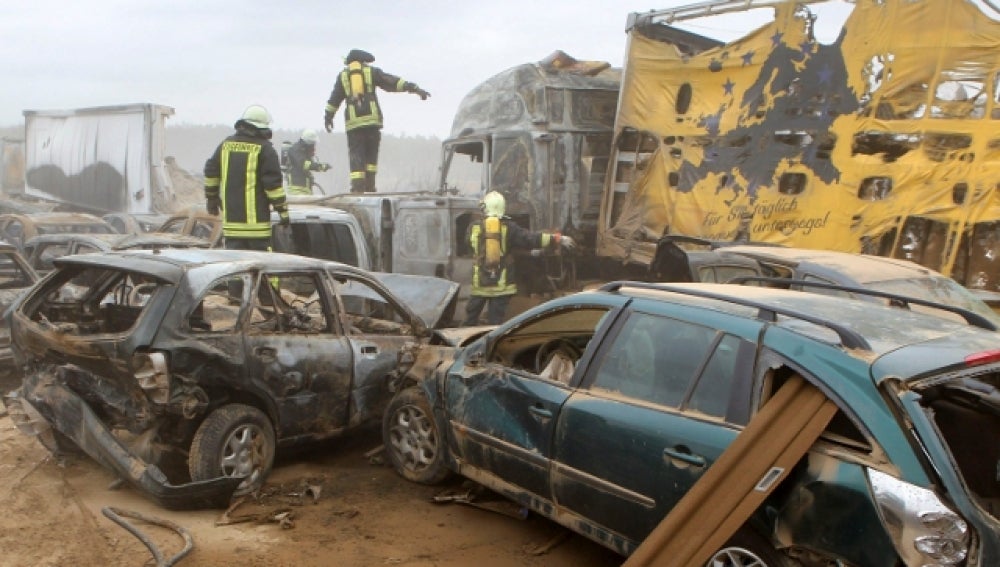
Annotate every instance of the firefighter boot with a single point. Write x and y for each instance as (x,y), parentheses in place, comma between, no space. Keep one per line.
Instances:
(370,182)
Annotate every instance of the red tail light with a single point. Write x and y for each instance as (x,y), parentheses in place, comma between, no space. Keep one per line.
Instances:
(984,357)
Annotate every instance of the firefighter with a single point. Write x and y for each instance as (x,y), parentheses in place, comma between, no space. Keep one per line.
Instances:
(362,114)
(243,181)
(492,239)
(302,163)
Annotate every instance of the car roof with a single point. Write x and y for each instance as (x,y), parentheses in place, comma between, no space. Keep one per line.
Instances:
(860,268)
(59,217)
(170,263)
(859,324)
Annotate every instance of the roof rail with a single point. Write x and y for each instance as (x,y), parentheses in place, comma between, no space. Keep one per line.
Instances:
(895,299)
(848,337)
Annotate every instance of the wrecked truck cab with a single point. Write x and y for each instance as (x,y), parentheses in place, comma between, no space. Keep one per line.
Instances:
(184,370)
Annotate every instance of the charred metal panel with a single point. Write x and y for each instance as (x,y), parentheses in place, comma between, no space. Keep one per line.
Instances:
(882,141)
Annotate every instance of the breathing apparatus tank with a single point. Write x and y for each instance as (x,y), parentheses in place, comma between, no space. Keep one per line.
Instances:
(356,74)
(491,229)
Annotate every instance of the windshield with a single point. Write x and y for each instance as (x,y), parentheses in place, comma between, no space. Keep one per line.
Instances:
(938,289)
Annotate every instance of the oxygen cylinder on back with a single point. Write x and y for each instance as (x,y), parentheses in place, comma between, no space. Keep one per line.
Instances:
(357,79)
(491,229)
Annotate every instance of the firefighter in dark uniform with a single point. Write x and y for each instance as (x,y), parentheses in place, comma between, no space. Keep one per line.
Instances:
(362,113)
(243,181)
(302,163)
(492,239)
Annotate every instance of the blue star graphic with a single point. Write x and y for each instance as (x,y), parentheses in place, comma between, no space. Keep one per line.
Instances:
(728,87)
(712,125)
(776,38)
(748,58)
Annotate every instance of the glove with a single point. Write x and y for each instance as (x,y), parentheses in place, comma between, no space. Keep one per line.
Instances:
(421,93)
(567,242)
(213,205)
(284,220)
(328,121)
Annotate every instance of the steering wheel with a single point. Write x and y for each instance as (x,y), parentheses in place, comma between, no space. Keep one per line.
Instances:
(145,288)
(548,350)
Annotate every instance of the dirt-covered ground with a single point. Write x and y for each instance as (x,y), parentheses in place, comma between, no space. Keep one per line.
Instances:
(338,507)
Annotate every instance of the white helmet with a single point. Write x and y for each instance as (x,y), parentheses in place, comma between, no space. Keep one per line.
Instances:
(257,115)
(309,136)
(494,205)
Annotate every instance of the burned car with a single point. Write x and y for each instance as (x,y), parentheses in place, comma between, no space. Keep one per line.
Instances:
(184,370)
(16,228)
(42,251)
(16,277)
(772,427)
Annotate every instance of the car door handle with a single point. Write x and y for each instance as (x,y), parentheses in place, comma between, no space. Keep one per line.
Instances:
(369,349)
(540,412)
(685,455)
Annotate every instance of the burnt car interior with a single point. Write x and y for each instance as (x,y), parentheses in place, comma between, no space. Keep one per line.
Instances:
(959,407)
(12,275)
(92,301)
(368,311)
(549,346)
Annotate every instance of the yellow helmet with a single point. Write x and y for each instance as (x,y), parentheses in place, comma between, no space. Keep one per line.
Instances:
(494,205)
(257,115)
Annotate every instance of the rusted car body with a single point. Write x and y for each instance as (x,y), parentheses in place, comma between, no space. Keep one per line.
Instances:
(16,277)
(135,223)
(183,370)
(42,251)
(18,228)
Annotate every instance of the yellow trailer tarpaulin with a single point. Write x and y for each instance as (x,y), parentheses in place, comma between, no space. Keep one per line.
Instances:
(886,141)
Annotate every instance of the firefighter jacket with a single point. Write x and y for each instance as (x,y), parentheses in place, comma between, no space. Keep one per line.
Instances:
(362,109)
(244,174)
(496,280)
(301,163)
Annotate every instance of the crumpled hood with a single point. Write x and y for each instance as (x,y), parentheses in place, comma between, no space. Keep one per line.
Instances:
(429,298)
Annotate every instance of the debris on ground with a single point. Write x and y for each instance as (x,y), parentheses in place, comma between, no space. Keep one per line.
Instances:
(479,497)
(119,516)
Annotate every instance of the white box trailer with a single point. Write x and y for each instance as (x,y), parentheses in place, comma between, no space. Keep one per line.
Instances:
(100,159)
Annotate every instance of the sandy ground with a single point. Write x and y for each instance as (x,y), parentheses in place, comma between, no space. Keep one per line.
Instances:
(364,515)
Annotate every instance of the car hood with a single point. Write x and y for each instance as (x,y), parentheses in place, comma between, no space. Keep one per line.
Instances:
(429,298)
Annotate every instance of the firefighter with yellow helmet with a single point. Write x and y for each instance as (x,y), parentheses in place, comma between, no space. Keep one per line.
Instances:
(492,239)
(356,85)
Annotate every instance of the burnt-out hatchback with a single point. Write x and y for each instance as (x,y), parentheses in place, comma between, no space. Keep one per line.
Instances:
(184,370)
(639,411)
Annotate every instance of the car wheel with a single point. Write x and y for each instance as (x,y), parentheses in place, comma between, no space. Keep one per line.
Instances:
(412,440)
(235,441)
(747,549)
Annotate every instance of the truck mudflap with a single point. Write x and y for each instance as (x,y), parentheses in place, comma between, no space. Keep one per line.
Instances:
(73,418)
(729,492)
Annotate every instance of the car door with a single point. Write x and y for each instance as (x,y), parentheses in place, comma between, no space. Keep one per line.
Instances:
(296,352)
(376,328)
(662,400)
(502,411)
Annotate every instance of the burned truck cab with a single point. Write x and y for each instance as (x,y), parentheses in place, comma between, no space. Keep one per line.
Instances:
(540,134)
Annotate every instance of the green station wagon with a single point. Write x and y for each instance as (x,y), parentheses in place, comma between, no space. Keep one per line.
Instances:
(603,410)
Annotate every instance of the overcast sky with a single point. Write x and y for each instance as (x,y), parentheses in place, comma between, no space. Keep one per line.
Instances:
(209,59)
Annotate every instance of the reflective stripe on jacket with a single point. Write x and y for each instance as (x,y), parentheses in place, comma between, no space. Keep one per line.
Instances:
(512,237)
(364,111)
(245,173)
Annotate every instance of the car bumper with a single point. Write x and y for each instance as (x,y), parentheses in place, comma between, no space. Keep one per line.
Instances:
(44,404)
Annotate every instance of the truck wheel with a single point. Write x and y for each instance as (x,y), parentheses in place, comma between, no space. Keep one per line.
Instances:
(235,440)
(744,549)
(413,443)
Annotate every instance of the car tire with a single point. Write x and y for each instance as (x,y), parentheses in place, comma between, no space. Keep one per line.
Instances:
(413,443)
(234,440)
(746,547)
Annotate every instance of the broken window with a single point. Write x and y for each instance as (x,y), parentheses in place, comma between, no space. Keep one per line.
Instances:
(218,310)
(43,255)
(289,303)
(960,93)
(12,274)
(324,240)
(367,311)
(464,167)
(792,183)
(91,301)
(875,188)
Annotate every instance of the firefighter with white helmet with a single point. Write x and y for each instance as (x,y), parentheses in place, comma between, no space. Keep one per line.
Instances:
(302,163)
(243,182)
(492,239)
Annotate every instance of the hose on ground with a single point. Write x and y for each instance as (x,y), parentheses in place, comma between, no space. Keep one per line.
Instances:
(118,516)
